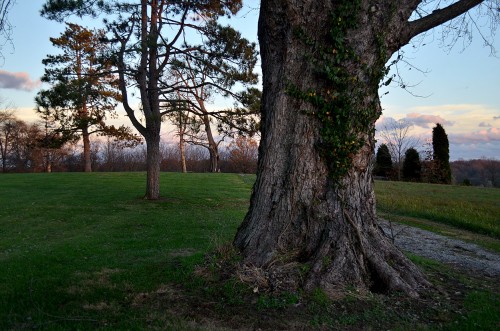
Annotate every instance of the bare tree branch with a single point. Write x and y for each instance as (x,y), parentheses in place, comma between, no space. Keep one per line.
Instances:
(438,17)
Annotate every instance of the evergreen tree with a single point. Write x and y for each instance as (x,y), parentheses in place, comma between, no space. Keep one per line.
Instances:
(84,93)
(145,38)
(411,165)
(397,137)
(383,163)
(440,146)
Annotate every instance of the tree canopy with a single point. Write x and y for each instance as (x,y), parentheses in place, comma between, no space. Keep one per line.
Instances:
(146,38)
(84,92)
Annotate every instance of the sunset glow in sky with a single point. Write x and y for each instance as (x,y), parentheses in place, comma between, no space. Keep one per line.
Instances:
(459,89)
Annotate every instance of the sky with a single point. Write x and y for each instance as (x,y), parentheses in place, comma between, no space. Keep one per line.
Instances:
(459,88)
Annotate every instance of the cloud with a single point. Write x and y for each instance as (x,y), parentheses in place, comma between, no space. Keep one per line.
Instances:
(17,81)
(474,129)
(424,121)
(416,119)
(482,136)
(385,121)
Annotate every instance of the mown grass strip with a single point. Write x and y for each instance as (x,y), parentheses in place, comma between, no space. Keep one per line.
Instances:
(471,208)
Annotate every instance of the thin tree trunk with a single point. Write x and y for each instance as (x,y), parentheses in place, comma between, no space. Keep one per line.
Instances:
(4,163)
(182,151)
(3,150)
(212,145)
(153,160)
(86,150)
(154,122)
(48,161)
(302,229)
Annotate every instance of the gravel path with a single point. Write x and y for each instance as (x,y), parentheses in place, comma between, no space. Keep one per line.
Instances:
(455,252)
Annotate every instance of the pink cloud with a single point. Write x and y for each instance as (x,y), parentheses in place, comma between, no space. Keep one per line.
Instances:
(384,121)
(425,120)
(416,119)
(481,136)
(17,81)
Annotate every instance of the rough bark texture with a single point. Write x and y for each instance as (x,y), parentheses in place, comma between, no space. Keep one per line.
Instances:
(300,223)
(153,162)
(86,150)
(147,76)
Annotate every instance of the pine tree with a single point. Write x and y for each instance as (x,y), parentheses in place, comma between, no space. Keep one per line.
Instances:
(144,38)
(83,92)
(383,163)
(411,166)
(441,154)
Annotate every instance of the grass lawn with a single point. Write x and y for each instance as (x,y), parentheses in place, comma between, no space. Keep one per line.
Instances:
(471,208)
(85,251)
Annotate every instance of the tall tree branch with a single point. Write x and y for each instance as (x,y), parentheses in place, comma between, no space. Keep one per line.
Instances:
(437,17)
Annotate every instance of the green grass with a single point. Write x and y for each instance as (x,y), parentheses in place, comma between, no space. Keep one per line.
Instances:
(85,251)
(72,240)
(483,311)
(470,208)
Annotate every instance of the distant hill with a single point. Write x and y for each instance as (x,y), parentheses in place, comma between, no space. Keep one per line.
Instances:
(480,172)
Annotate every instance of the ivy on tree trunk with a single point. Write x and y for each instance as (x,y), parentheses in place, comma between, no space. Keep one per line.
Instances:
(312,220)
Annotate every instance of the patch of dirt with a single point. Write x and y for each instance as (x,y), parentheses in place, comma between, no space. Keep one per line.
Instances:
(462,255)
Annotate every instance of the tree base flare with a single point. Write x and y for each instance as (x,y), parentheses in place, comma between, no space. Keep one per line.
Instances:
(381,268)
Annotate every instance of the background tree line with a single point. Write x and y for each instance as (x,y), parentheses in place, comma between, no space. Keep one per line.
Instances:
(93,71)
(397,158)
(32,147)
(29,147)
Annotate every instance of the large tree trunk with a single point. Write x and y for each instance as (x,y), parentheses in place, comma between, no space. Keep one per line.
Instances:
(304,229)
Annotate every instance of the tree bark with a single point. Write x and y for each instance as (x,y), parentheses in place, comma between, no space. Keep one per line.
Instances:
(213,149)
(86,150)
(304,230)
(3,150)
(153,161)
(182,151)
(48,168)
